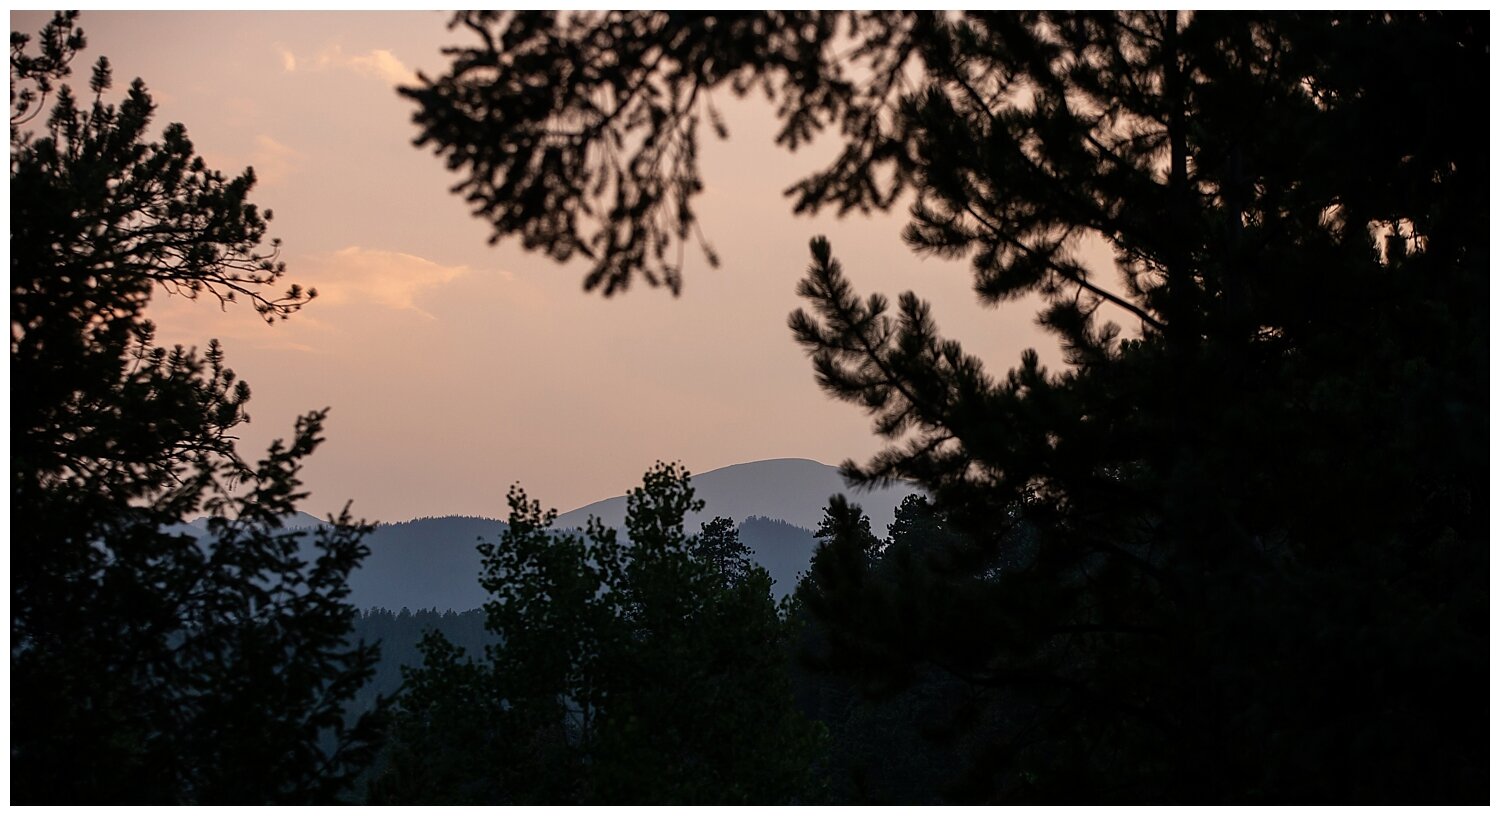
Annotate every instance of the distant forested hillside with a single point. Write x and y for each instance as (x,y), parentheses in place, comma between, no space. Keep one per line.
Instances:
(398,634)
(784,549)
(428,563)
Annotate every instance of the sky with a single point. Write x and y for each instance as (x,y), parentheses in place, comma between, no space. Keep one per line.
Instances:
(454,367)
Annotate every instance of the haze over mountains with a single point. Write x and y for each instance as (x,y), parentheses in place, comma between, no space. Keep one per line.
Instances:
(793,490)
(777,503)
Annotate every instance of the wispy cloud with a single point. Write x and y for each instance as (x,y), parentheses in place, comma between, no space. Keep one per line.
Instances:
(377,63)
(355,288)
(272,160)
(392,279)
(383,64)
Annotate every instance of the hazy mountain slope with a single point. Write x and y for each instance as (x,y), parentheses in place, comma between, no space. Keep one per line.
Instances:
(399,633)
(793,490)
(428,563)
(432,563)
(783,549)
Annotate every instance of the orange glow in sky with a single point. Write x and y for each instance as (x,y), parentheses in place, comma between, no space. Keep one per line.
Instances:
(454,367)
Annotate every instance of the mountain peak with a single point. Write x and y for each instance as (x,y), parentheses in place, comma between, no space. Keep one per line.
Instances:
(790,489)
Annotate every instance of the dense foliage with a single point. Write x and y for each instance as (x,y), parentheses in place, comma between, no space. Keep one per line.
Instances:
(399,636)
(1260,550)
(1236,549)
(147,666)
(643,671)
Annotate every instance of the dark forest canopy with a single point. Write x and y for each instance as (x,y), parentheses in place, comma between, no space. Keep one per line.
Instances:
(643,665)
(1255,522)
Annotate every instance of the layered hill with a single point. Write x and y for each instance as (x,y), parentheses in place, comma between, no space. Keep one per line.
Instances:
(433,563)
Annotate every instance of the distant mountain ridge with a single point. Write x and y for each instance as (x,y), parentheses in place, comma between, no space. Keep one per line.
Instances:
(793,490)
(433,563)
(429,563)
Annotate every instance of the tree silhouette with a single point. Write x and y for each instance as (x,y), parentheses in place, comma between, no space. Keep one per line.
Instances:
(145,666)
(1223,502)
(625,672)
(1235,550)
(719,546)
(579,132)
(901,729)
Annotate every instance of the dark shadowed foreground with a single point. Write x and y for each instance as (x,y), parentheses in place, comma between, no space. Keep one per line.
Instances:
(148,666)
(1236,550)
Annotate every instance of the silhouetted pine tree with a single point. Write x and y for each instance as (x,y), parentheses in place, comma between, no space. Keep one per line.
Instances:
(892,739)
(145,666)
(1235,553)
(719,546)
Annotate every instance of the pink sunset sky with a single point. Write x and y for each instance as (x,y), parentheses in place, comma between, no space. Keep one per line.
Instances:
(454,367)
